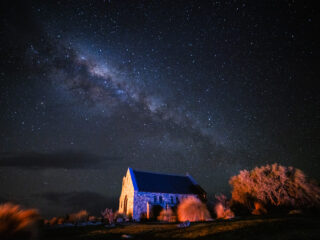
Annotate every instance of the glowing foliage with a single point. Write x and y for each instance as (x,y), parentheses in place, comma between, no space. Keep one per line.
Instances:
(259,209)
(16,223)
(108,215)
(166,215)
(192,209)
(222,208)
(274,185)
(80,216)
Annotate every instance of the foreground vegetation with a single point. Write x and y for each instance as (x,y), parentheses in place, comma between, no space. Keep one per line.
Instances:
(289,227)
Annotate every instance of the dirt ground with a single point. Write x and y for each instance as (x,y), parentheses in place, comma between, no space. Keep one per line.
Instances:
(292,227)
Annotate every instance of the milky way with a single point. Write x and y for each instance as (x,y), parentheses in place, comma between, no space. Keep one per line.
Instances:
(209,88)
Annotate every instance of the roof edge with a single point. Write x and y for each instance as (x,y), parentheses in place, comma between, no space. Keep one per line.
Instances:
(192,179)
(133,179)
(168,174)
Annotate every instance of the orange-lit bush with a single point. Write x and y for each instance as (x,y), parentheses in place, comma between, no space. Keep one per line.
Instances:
(16,223)
(273,186)
(53,221)
(167,215)
(192,209)
(222,208)
(222,212)
(259,209)
(80,216)
(92,219)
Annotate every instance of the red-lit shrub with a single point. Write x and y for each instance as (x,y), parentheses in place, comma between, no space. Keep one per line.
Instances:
(16,223)
(259,209)
(273,186)
(53,221)
(167,215)
(222,208)
(92,219)
(108,215)
(192,209)
(80,216)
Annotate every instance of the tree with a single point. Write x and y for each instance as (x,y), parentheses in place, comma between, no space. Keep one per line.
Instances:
(274,186)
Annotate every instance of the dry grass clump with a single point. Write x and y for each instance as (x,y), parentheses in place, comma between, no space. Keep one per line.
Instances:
(192,209)
(17,223)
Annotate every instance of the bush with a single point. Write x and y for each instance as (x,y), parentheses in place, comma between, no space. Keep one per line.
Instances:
(192,209)
(53,221)
(222,208)
(259,209)
(16,223)
(273,186)
(108,215)
(80,216)
(167,215)
(92,219)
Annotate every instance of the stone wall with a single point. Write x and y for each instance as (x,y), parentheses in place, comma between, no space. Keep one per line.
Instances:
(127,190)
(142,198)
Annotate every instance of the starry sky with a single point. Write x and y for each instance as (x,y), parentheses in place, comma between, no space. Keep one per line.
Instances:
(88,88)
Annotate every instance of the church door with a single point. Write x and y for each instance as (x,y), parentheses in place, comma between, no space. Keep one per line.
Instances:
(125,204)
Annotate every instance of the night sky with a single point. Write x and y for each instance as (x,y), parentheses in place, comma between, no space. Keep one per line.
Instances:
(88,88)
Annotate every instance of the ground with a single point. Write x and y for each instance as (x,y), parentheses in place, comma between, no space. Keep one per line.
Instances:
(292,227)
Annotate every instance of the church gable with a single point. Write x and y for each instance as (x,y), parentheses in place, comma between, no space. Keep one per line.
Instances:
(127,194)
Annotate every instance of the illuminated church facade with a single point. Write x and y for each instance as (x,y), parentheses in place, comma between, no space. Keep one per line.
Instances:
(145,194)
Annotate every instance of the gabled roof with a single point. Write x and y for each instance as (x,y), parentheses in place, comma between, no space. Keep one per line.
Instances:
(164,183)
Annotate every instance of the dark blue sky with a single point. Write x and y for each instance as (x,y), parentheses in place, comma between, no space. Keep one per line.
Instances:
(89,88)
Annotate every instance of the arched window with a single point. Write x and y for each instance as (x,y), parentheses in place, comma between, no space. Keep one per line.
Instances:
(171,199)
(154,199)
(160,199)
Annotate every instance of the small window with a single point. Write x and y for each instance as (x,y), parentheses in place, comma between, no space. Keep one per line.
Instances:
(172,199)
(160,199)
(177,200)
(155,199)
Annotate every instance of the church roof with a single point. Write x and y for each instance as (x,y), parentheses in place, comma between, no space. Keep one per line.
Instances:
(164,183)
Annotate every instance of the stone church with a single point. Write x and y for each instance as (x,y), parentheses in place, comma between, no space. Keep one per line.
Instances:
(145,194)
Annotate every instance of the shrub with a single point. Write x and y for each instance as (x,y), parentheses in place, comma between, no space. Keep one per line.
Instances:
(16,223)
(80,216)
(192,209)
(108,215)
(166,215)
(259,209)
(222,212)
(273,186)
(53,221)
(222,208)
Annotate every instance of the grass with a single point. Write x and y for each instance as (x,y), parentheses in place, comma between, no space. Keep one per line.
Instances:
(284,228)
